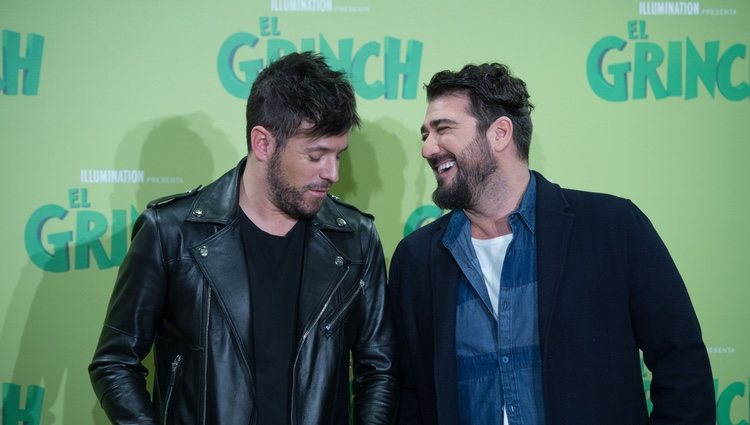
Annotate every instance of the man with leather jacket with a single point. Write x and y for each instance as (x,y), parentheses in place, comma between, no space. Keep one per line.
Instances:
(257,290)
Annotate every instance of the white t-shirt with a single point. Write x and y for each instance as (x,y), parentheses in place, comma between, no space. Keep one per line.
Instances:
(491,256)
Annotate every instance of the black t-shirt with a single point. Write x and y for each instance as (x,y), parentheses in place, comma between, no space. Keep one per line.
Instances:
(274,264)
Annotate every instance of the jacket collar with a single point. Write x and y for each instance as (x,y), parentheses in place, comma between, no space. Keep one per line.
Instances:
(218,203)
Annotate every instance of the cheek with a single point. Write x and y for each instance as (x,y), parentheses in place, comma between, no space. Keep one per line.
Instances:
(304,175)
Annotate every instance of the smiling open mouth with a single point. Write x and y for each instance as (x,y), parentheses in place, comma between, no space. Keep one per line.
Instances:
(445,166)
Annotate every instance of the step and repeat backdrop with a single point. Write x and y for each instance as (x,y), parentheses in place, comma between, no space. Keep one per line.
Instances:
(107,105)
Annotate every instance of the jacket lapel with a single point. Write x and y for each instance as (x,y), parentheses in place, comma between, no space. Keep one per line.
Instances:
(324,266)
(222,260)
(553,226)
(221,256)
(444,281)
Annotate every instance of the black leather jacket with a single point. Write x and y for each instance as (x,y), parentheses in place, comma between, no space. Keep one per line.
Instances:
(183,287)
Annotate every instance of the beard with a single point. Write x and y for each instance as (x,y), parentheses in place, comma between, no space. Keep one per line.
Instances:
(475,164)
(288,198)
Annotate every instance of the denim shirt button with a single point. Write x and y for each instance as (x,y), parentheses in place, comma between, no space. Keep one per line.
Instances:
(505,359)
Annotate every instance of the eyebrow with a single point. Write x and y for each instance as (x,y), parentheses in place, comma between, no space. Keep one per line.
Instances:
(436,122)
(324,149)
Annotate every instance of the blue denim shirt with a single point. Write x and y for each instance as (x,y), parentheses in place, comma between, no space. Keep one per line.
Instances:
(497,352)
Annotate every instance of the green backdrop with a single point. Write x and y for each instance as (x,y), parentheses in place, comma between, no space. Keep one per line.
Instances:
(106,105)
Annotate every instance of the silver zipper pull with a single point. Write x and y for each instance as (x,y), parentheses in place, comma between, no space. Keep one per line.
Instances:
(176,363)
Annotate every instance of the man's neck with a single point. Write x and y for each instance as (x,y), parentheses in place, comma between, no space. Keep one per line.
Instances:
(501,196)
(255,203)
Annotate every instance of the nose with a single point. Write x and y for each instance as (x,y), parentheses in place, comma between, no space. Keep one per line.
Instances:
(330,170)
(430,147)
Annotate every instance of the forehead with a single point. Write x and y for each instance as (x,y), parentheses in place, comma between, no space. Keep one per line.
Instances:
(302,140)
(454,107)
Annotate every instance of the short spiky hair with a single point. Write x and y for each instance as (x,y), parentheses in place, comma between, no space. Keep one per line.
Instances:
(301,87)
(493,93)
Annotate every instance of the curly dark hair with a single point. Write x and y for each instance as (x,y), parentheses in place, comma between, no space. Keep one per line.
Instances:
(301,87)
(493,93)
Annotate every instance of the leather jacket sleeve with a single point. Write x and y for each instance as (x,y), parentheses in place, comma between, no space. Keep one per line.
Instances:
(375,386)
(117,373)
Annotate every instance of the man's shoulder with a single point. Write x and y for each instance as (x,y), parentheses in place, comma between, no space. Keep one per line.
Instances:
(336,214)
(421,250)
(426,231)
(173,198)
(347,208)
(576,199)
(422,237)
(171,209)
(214,202)
(585,198)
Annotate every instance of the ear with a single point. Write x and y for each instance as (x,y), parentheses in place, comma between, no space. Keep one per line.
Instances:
(262,143)
(500,134)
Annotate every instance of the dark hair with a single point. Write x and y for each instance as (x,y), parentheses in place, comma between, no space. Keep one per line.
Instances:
(493,93)
(301,87)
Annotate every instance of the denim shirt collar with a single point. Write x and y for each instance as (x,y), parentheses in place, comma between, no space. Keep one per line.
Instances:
(527,209)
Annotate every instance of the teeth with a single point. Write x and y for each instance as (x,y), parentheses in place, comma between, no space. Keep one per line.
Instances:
(446,165)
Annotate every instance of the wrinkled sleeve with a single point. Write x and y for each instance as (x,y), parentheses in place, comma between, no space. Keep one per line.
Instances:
(374,386)
(667,331)
(135,308)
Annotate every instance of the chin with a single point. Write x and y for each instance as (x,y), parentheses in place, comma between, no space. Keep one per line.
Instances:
(308,210)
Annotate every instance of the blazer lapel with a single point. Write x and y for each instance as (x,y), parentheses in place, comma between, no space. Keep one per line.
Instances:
(444,281)
(553,226)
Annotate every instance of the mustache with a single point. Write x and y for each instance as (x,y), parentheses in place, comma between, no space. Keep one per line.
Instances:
(318,186)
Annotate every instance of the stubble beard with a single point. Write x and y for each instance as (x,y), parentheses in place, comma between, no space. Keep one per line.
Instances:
(288,198)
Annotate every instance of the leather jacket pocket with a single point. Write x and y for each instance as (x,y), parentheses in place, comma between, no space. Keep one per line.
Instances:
(173,373)
(334,321)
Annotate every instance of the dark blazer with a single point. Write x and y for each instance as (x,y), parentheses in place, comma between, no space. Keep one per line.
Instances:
(607,287)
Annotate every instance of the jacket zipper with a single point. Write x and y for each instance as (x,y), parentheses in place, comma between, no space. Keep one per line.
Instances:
(205,355)
(346,306)
(170,389)
(304,338)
